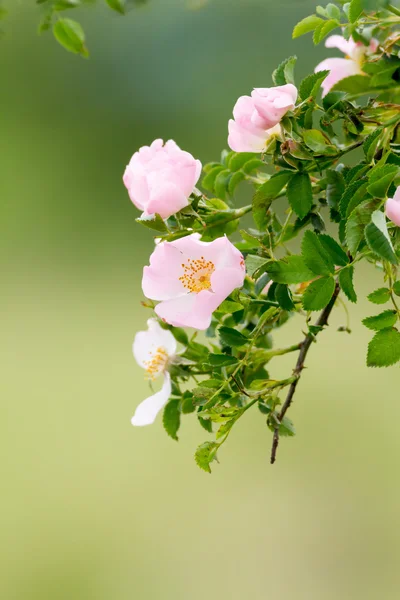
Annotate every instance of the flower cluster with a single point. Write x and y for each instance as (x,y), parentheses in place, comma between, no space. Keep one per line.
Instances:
(285,144)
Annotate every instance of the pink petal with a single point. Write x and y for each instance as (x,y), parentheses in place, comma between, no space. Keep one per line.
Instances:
(148,410)
(166,200)
(179,311)
(339,69)
(161,279)
(339,42)
(392,209)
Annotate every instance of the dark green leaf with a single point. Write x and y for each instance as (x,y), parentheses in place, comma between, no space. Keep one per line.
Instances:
(384,348)
(265,194)
(221,360)
(284,297)
(310,85)
(353,195)
(234,181)
(239,159)
(291,269)
(232,337)
(299,193)
(380,180)
(318,293)
(317,142)
(337,254)
(379,296)
(316,258)
(371,143)
(378,239)
(155,223)
(335,188)
(346,283)
(71,36)
(396,288)
(172,418)
(355,227)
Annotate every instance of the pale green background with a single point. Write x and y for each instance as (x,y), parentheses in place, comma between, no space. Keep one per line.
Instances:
(92,508)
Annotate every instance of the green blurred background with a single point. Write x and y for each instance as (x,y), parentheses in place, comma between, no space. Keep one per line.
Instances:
(91,507)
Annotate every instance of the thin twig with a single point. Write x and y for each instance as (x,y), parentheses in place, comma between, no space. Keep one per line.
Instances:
(305,346)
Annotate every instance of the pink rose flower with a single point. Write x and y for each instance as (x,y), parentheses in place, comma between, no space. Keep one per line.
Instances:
(153,350)
(392,208)
(160,178)
(191,278)
(257,117)
(343,67)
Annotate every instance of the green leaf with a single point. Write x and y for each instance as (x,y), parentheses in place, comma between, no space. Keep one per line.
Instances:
(230,307)
(318,293)
(180,335)
(208,182)
(291,269)
(317,142)
(172,418)
(384,348)
(286,428)
(335,188)
(232,337)
(285,72)
(284,297)
(337,254)
(353,195)
(255,263)
(239,159)
(234,181)
(355,10)
(355,84)
(205,454)
(371,143)
(311,84)
(396,288)
(355,227)
(306,25)
(385,319)
(221,360)
(221,183)
(380,180)
(117,5)
(299,194)
(155,223)
(379,296)
(324,29)
(265,194)
(71,36)
(346,283)
(205,423)
(315,256)
(377,236)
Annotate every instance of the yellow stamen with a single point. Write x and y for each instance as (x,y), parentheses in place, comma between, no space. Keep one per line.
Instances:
(157,362)
(197,274)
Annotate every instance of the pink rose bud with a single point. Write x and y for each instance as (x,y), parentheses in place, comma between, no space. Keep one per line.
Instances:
(392,208)
(273,103)
(257,118)
(160,178)
(339,68)
(191,278)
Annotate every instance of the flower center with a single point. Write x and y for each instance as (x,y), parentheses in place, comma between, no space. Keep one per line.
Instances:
(197,274)
(157,362)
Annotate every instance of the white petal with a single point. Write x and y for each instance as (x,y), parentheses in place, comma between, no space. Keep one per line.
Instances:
(147,411)
(147,342)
